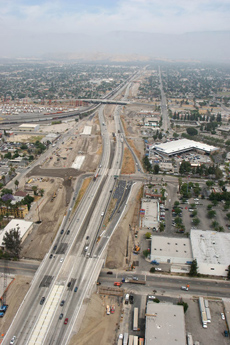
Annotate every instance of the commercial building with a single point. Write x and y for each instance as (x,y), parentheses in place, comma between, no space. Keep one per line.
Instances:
(211,250)
(171,250)
(149,213)
(18,224)
(183,145)
(165,324)
(29,127)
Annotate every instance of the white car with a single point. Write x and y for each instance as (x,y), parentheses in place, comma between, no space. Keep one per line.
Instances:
(135,278)
(13,340)
(184,288)
(120,336)
(158,269)
(151,297)
(222,316)
(62,259)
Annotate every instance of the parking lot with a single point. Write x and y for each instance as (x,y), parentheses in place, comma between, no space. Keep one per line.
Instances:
(214,334)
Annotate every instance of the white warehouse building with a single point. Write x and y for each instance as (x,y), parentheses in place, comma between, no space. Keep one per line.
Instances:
(211,250)
(29,127)
(149,213)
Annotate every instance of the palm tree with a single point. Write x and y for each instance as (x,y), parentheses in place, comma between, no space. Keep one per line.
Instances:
(41,192)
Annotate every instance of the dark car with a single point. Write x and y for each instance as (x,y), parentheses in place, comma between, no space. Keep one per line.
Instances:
(62,303)
(51,255)
(131,299)
(69,283)
(109,272)
(55,247)
(68,232)
(42,300)
(61,316)
(76,288)
(66,321)
(87,237)
(62,231)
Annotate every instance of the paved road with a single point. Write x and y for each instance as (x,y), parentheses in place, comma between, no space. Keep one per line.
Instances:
(169,285)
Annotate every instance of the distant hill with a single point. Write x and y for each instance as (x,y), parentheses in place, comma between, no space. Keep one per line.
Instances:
(122,46)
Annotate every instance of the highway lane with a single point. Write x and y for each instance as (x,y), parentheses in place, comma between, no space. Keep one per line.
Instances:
(164,110)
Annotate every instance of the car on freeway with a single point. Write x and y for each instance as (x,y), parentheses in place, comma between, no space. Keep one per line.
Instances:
(69,283)
(76,288)
(62,303)
(68,231)
(61,316)
(87,237)
(51,255)
(62,231)
(135,278)
(66,321)
(13,340)
(62,259)
(55,247)
(42,300)
(222,316)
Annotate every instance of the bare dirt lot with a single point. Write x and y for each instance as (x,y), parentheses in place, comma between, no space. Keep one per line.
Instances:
(15,294)
(97,327)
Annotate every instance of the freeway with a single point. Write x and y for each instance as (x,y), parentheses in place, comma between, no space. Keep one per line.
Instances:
(70,269)
(164,110)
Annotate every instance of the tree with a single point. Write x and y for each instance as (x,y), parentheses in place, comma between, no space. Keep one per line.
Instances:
(184,304)
(156,169)
(34,189)
(193,270)
(161,227)
(196,221)
(16,182)
(211,214)
(41,192)
(146,253)
(191,131)
(152,270)
(148,235)
(12,242)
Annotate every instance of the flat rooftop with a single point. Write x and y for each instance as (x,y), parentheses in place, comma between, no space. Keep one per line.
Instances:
(151,212)
(182,145)
(210,247)
(165,324)
(171,246)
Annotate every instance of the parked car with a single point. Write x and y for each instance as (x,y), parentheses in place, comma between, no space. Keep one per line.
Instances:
(222,316)
(158,269)
(135,278)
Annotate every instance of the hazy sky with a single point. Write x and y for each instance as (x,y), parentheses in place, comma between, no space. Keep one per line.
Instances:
(23,18)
